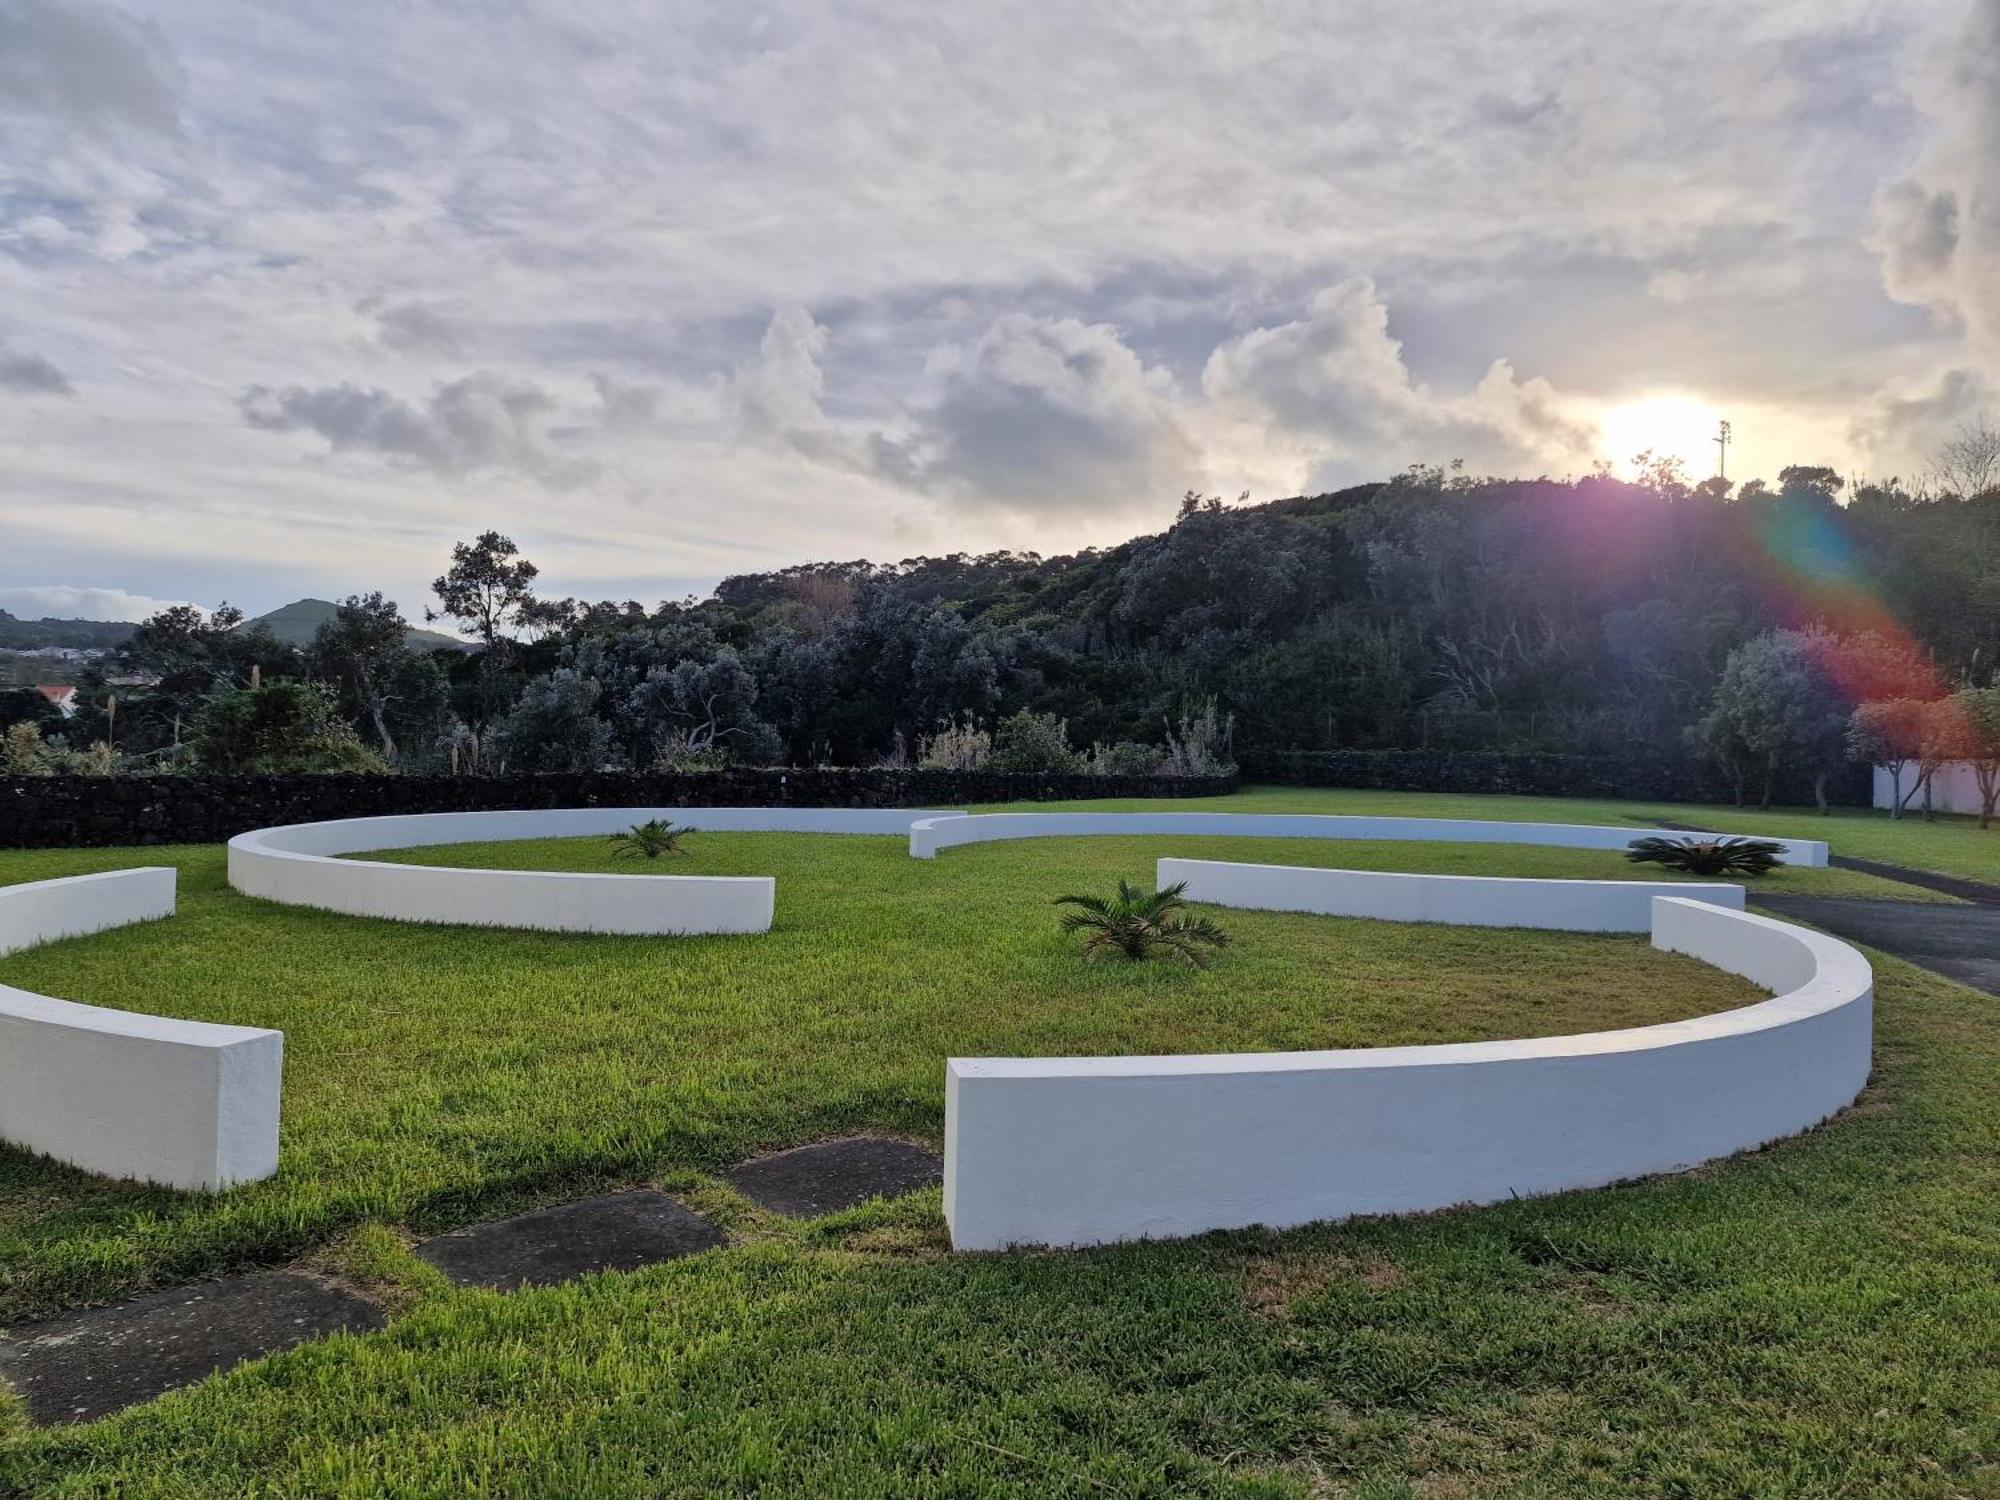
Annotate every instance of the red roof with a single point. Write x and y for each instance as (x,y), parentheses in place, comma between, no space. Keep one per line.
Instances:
(57,693)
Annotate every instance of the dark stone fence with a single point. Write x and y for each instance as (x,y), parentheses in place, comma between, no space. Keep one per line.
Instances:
(1644,778)
(46,812)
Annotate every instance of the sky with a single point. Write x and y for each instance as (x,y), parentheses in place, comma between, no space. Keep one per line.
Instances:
(292,297)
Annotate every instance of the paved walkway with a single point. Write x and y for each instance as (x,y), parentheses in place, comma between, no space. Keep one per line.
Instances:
(1959,942)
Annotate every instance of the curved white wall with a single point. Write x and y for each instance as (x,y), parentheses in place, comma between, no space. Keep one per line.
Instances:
(1461,900)
(1083,1151)
(187,1104)
(295,865)
(929,835)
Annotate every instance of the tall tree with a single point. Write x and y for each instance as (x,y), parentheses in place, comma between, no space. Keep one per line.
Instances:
(364,648)
(489,587)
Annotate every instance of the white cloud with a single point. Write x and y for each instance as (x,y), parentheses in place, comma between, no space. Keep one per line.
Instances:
(1039,414)
(482,421)
(1331,390)
(1938,228)
(64,601)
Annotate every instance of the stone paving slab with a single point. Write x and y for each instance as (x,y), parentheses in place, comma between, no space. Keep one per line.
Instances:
(88,1364)
(821,1179)
(617,1232)
(1959,942)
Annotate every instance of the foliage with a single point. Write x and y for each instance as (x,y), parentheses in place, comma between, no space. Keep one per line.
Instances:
(1971,733)
(28,705)
(1201,747)
(1778,703)
(958,745)
(23,751)
(648,840)
(553,727)
(1126,758)
(364,649)
(1704,856)
(1889,732)
(278,728)
(1034,743)
(489,588)
(1138,925)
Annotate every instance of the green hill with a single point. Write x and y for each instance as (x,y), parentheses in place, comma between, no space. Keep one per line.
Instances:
(298,622)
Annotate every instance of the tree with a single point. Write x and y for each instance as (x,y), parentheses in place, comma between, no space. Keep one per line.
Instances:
(1977,732)
(488,587)
(28,706)
(285,728)
(1777,702)
(554,727)
(1969,464)
(364,648)
(1889,732)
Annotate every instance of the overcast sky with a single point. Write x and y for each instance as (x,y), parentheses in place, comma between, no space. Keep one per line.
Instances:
(292,296)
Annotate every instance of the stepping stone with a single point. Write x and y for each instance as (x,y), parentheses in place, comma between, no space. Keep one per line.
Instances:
(91,1363)
(813,1180)
(617,1232)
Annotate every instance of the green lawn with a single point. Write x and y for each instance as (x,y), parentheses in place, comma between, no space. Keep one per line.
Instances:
(1816,1319)
(1949,846)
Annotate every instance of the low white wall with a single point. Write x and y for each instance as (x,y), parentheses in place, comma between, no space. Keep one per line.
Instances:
(1083,1151)
(1954,789)
(1461,900)
(927,836)
(295,866)
(187,1104)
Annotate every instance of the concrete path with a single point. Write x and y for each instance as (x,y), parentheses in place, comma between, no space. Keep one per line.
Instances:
(1959,942)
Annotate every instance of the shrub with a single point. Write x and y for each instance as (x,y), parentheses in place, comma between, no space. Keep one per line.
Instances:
(1126,758)
(647,840)
(23,753)
(283,728)
(1700,856)
(1204,744)
(554,727)
(1035,744)
(1138,925)
(955,747)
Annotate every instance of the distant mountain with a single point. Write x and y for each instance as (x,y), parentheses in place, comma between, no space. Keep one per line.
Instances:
(29,635)
(298,622)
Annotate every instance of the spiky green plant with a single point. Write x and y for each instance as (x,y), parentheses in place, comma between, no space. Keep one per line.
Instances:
(647,840)
(1138,925)
(1708,856)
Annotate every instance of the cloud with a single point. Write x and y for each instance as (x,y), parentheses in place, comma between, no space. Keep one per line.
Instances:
(484,421)
(777,395)
(1938,228)
(33,375)
(1905,431)
(413,328)
(62,601)
(1039,414)
(1332,389)
(86,65)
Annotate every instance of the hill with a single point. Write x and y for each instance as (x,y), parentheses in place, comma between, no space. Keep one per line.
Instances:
(298,622)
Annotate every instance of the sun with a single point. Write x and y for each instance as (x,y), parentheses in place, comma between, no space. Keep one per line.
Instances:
(1679,427)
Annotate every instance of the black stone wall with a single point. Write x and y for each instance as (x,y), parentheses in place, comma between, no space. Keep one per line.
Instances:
(45,812)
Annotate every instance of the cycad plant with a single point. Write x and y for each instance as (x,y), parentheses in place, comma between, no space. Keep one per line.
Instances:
(1708,856)
(647,840)
(1138,925)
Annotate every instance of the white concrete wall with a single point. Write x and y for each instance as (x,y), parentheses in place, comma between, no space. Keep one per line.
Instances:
(296,866)
(1954,789)
(1084,1151)
(927,836)
(1461,900)
(187,1104)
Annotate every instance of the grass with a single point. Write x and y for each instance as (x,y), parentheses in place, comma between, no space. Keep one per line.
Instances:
(1951,845)
(1816,1319)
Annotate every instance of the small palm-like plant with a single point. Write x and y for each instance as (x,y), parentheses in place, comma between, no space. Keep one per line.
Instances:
(1708,856)
(647,840)
(1138,925)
